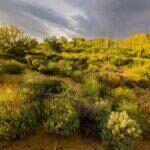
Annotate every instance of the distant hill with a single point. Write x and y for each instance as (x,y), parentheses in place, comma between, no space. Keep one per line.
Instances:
(137,40)
(138,37)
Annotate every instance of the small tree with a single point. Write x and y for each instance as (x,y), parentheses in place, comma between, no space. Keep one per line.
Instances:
(13,41)
(63,40)
(52,43)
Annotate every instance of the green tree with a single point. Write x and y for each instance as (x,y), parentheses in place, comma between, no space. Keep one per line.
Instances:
(13,41)
(52,43)
(63,40)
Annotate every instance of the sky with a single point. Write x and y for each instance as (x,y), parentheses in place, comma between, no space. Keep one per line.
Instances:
(73,18)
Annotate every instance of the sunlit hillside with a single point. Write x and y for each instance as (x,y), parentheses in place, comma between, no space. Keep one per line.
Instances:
(97,88)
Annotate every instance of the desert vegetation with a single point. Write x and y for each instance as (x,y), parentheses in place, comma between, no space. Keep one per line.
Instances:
(81,86)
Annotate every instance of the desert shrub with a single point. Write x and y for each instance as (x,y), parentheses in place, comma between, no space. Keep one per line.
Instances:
(103,110)
(43,69)
(93,116)
(18,115)
(86,110)
(50,68)
(43,87)
(77,75)
(146,54)
(136,114)
(109,67)
(120,131)
(143,71)
(121,61)
(130,108)
(13,67)
(87,113)
(93,68)
(138,61)
(1,70)
(36,63)
(65,67)
(110,79)
(60,116)
(143,83)
(128,82)
(90,89)
(104,90)
(122,94)
(54,57)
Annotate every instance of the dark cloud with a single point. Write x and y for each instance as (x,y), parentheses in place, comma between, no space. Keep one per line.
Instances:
(31,16)
(44,13)
(12,14)
(118,17)
(88,18)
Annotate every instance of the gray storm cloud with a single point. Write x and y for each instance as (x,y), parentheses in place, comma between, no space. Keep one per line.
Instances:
(77,18)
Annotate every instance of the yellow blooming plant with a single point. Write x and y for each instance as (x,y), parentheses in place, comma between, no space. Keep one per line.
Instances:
(121,131)
(18,115)
(60,116)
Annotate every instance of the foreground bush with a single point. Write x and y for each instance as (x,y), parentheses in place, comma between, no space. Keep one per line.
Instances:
(120,131)
(103,110)
(18,115)
(137,115)
(90,89)
(60,117)
(50,68)
(76,75)
(41,87)
(13,67)
(121,61)
(122,94)
(93,116)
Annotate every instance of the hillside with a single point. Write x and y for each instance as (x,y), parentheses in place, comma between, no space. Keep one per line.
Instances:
(97,88)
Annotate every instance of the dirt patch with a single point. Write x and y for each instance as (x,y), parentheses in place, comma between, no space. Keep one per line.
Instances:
(142,145)
(43,141)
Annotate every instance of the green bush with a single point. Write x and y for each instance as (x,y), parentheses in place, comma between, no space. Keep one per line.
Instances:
(87,116)
(110,79)
(43,87)
(1,71)
(93,116)
(103,110)
(18,115)
(36,63)
(93,68)
(134,113)
(12,67)
(60,116)
(122,94)
(90,89)
(120,131)
(54,57)
(121,61)
(143,71)
(109,67)
(104,90)
(77,75)
(65,67)
(143,83)
(43,69)
(50,68)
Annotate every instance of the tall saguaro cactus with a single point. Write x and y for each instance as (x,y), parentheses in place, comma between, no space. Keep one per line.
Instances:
(141,48)
(107,40)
